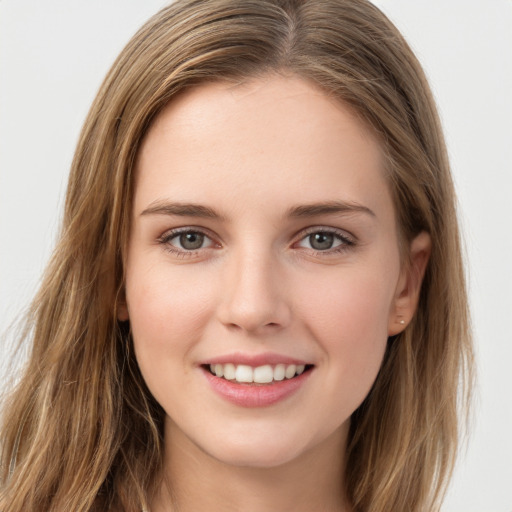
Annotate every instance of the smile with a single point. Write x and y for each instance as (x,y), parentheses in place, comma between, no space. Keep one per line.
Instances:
(256,386)
(265,374)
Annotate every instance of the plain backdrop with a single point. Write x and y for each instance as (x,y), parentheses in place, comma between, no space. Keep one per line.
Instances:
(53,56)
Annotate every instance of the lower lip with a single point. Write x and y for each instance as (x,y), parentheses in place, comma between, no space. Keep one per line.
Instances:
(255,395)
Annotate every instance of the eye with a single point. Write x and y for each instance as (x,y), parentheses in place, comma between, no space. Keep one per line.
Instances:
(325,240)
(190,241)
(187,240)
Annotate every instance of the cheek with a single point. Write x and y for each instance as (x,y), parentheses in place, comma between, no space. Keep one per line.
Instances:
(167,313)
(348,317)
(353,304)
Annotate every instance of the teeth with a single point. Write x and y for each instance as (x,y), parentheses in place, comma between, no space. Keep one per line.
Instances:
(229,371)
(290,371)
(260,375)
(244,373)
(263,374)
(279,372)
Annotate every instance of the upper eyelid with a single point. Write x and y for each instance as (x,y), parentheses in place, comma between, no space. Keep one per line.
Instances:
(343,233)
(171,233)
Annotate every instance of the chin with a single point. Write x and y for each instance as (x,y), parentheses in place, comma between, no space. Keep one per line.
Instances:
(267,448)
(255,457)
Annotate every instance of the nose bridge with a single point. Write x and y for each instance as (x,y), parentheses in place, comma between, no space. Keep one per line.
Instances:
(254,296)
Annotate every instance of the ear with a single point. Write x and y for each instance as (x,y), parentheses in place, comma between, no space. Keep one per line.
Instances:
(408,288)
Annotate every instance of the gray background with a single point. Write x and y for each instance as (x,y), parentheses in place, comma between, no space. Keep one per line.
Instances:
(53,56)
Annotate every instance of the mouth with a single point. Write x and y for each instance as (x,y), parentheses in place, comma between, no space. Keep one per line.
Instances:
(259,375)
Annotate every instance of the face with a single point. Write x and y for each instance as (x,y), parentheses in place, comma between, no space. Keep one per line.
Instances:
(263,274)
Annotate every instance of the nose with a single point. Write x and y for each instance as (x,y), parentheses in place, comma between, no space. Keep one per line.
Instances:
(254,298)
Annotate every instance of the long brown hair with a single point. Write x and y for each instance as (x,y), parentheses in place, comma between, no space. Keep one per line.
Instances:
(81,431)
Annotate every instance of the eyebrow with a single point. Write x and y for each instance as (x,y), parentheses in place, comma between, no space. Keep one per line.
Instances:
(300,211)
(329,207)
(182,209)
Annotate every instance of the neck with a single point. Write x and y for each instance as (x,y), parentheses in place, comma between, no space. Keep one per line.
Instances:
(193,480)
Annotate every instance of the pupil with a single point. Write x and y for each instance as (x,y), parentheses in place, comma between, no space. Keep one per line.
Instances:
(191,241)
(321,241)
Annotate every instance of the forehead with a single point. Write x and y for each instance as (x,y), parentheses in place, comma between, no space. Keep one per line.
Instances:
(277,139)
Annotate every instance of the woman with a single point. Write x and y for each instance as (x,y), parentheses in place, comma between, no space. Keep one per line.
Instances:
(258,279)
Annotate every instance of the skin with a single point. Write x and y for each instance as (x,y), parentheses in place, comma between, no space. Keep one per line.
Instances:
(252,154)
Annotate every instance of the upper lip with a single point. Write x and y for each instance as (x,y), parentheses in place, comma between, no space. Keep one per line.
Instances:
(254,360)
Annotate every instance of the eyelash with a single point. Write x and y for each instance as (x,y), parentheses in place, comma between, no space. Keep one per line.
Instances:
(346,241)
(166,238)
